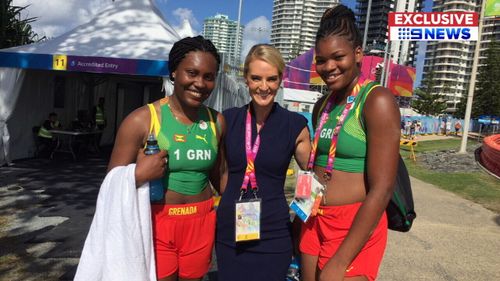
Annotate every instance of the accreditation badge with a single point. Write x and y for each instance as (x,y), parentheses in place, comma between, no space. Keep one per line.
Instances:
(304,184)
(307,207)
(247,220)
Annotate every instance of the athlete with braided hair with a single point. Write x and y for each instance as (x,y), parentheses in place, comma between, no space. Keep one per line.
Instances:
(354,154)
(184,221)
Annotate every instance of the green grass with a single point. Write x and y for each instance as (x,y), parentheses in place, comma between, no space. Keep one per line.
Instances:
(479,186)
(436,145)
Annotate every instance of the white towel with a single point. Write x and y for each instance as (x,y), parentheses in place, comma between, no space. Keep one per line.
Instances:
(119,245)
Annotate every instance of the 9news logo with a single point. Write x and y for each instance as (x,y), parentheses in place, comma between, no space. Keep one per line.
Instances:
(433,26)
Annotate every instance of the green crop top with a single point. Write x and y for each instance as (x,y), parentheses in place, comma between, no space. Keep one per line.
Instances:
(350,155)
(192,149)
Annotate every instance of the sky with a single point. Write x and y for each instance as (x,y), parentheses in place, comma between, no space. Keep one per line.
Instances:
(58,16)
(55,17)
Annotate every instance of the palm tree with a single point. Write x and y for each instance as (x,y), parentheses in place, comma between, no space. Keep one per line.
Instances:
(14,30)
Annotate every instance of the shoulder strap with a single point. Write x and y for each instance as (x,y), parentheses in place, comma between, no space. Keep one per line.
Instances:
(369,88)
(154,123)
(323,104)
(213,124)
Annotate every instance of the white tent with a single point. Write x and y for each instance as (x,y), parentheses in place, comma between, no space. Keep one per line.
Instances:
(300,100)
(121,55)
(297,95)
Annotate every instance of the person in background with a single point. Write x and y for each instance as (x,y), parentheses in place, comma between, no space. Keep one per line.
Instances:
(82,121)
(5,141)
(458,126)
(418,128)
(443,127)
(99,115)
(83,144)
(184,220)
(448,127)
(413,128)
(47,141)
(260,141)
(355,156)
(98,121)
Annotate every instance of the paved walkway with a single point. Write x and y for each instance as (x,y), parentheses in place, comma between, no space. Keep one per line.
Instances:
(47,208)
(451,239)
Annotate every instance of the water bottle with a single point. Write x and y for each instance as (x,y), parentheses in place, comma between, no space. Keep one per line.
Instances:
(156,190)
(293,273)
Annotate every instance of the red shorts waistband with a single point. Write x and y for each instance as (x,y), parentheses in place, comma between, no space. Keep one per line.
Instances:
(183,210)
(338,210)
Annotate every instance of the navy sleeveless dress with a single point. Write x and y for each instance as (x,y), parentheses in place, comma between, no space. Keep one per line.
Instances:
(269,257)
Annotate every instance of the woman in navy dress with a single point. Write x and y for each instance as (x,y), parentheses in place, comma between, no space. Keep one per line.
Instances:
(281,134)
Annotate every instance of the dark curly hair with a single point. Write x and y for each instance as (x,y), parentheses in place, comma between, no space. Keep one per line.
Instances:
(186,45)
(339,21)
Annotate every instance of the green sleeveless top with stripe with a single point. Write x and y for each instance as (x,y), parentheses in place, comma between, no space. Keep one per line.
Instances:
(192,149)
(350,155)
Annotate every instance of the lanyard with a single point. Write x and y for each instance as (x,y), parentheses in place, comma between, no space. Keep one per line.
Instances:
(333,145)
(251,153)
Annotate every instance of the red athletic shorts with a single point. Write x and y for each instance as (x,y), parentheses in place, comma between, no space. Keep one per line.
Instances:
(183,237)
(322,235)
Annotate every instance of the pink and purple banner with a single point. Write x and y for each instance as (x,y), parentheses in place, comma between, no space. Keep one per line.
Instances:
(301,73)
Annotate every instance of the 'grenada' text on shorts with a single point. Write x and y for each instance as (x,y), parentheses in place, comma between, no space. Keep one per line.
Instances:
(183,237)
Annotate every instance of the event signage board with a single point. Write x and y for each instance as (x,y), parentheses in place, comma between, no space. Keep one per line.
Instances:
(101,65)
(488,119)
(64,62)
(59,62)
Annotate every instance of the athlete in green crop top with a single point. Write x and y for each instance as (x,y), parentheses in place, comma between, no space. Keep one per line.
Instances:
(183,222)
(346,240)
(350,155)
(192,150)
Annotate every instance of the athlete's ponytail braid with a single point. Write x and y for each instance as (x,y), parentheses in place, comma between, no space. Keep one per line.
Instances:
(339,21)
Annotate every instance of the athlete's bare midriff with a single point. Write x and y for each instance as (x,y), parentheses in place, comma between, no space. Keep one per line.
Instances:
(171,197)
(343,188)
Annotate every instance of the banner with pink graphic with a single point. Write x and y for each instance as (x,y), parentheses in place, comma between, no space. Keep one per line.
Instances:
(300,73)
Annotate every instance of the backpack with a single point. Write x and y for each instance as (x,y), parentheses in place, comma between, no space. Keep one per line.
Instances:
(400,210)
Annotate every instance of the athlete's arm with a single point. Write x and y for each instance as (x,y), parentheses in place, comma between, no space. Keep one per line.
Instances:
(381,115)
(303,148)
(128,148)
(218,174)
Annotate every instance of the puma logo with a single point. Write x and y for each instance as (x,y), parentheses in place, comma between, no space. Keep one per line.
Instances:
(203,138)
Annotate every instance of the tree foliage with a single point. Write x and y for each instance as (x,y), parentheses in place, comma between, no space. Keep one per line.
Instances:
(425,102)
(487,94)
(460,112)
(15,30)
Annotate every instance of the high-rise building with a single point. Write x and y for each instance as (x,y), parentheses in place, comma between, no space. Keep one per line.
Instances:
(451,62)
(491,31)
(402,52)
(223,33)
(295,23)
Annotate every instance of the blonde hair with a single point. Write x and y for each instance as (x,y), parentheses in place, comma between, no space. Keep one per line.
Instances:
(267,53)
